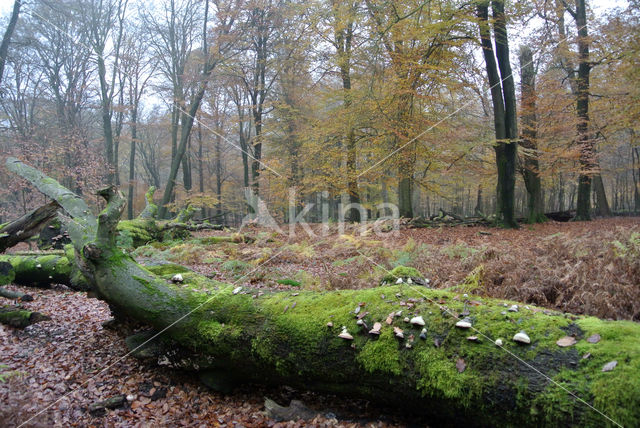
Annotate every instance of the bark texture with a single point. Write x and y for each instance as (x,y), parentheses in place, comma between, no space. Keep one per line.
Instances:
(26,226)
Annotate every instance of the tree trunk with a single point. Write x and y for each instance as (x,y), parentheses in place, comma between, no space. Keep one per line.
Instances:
(18,317)
(530,164)
(293,338)
(585,140)
(343,36)
(132,161)
(44,270)
(8,33)
(602,205)
(27,226)
(503,99)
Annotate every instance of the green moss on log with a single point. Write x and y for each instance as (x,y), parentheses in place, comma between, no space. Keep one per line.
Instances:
(289,338)
(7,273)
(167,269)
(19,317)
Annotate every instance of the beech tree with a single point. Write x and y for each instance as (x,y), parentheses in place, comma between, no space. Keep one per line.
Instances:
(503,96)
(528,121)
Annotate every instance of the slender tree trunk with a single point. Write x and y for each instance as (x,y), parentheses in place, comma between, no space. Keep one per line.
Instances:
(132,161)
(201,167)
(478,209)
(407,160)
(602,205)
(6,39)
(530,164)
(187,125)
(106,118)
(187,180)
(635,156)
(218,153)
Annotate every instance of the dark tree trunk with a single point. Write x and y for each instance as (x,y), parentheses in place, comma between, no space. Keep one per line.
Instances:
(27,226)
(529,125)
(187,179)
(18,317)
(585,140)
(218,153)
(503,99)
(602,205)
(343,37)
(8,33)
(132,161)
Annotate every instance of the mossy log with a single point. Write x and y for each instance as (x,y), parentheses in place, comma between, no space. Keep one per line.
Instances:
(7,276)
(18,317)
(294,338)
(26,226)
(15,295)
(45,270)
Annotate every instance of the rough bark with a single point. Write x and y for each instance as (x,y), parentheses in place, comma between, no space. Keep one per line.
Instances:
(284,337)
(26,226)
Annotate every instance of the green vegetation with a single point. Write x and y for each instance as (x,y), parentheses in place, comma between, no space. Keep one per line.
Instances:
(472,282)
(291,282)
(458,251)
(401,272)
(629,249)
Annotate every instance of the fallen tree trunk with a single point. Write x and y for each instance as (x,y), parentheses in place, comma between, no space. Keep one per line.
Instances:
(15,295)
(7,276)
(18,317)
(451,372)
(45,270)
(26,226)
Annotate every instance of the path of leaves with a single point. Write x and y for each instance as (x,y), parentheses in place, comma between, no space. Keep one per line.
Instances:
(59,362)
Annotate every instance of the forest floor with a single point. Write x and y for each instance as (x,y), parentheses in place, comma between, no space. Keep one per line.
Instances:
(59,367)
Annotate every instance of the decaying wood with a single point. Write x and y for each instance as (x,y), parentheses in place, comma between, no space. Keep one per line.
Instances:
(15,295)
(434,370)
(26,226)
(18,317)
(44,270)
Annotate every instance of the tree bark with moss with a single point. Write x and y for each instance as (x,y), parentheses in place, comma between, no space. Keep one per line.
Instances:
(26,226)
(294,338)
